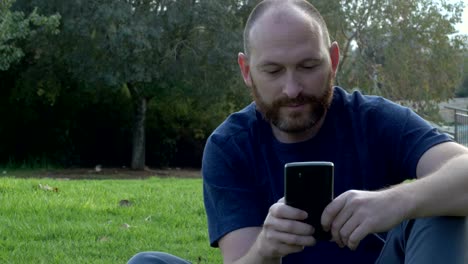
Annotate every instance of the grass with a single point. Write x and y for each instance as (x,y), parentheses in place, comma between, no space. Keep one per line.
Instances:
(84,222)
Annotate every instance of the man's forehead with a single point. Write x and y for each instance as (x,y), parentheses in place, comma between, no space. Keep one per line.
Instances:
(279,30)
(282,14)
(289,16)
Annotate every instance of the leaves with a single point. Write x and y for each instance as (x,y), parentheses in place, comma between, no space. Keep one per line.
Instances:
(47,188)
(15,26)
(69,94)
(402,49)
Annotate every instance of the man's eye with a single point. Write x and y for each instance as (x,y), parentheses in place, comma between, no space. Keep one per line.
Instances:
(272,71)
(309,67)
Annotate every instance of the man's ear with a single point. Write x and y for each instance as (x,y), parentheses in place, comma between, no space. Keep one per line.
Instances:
(244,66)
(334,57)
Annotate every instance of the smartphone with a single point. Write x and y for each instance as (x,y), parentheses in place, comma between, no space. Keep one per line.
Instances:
(309,186)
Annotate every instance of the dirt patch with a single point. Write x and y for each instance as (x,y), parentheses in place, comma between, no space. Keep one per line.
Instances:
(116,173)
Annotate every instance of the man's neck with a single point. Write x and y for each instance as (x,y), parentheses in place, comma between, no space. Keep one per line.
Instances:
(289,138)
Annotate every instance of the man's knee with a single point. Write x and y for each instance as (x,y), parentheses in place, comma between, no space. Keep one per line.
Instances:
(155,258)
(439,239)
(445,227)
(427,240)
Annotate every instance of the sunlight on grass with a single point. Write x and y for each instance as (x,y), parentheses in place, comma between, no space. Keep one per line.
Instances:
(83,222)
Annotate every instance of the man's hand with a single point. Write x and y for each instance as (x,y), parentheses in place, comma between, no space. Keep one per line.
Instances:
(355,214)
(283,232)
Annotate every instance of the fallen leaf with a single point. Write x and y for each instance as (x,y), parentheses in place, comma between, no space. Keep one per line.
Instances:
(46,187)
(103,239)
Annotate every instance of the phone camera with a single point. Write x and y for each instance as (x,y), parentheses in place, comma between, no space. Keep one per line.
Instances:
(300,175)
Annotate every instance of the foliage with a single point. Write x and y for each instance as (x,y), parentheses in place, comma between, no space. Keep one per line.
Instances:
(15,27)
(150,47)
(72,98)
(51,221)
(402,50)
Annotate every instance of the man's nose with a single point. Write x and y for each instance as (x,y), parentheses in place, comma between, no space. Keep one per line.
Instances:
(292,87)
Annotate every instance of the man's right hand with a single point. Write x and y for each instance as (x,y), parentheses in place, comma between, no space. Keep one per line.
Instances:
(282,233)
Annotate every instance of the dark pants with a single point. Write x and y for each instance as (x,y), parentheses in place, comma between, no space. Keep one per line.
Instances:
(156,258)
(426,240)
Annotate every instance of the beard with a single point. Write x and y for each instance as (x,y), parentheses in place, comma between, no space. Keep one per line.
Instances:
(295,122)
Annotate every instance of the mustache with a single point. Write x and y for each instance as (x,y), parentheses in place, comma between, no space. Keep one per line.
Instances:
(301,99)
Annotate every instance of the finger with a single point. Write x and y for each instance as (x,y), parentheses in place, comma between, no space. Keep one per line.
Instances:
(355,238)
(347,229)
(289,226)
(331,211)
(286,249)
(339,222)
(277,244)
(283,211)
(294,240)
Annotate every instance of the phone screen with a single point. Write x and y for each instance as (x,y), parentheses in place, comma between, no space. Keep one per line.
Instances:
(309,187)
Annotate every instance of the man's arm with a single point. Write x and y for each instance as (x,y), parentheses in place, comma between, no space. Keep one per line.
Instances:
(235,245)
(442,187)
(281,234)
(441,190)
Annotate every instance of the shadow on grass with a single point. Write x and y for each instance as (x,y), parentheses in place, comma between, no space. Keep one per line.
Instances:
(102,173)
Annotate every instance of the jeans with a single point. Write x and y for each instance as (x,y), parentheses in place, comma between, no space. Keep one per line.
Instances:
(156,258)
(425,240)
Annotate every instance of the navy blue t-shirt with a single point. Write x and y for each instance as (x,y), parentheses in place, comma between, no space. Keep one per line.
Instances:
(372,142)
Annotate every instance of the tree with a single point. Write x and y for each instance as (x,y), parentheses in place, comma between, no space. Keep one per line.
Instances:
(150,48)
(15,27)
(402,49)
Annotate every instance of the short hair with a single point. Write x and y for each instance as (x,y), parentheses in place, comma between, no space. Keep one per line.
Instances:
(261,8)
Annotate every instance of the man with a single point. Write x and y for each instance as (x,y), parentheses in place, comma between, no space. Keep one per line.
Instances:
(289,63)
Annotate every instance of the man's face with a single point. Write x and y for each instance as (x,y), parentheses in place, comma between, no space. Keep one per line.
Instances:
(290,72)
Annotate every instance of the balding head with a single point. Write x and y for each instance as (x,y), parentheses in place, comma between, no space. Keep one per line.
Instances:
(279,9)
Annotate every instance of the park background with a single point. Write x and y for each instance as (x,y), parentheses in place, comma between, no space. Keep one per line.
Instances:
(125,89)
(143,83)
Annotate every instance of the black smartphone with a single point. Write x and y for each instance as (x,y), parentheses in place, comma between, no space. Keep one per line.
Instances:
(309,187)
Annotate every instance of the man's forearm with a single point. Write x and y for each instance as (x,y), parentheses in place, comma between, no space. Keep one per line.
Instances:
(442,193)
(253,257)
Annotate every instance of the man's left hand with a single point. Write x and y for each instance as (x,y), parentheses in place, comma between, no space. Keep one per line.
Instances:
(355,214)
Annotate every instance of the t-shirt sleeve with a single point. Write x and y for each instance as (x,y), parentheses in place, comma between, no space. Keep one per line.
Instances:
(233,197)
(406,137)
(419,136)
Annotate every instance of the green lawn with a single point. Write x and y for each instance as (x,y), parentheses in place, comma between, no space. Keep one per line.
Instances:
(83,222)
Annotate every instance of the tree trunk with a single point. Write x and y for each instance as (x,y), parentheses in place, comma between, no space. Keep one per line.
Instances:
(138,133)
